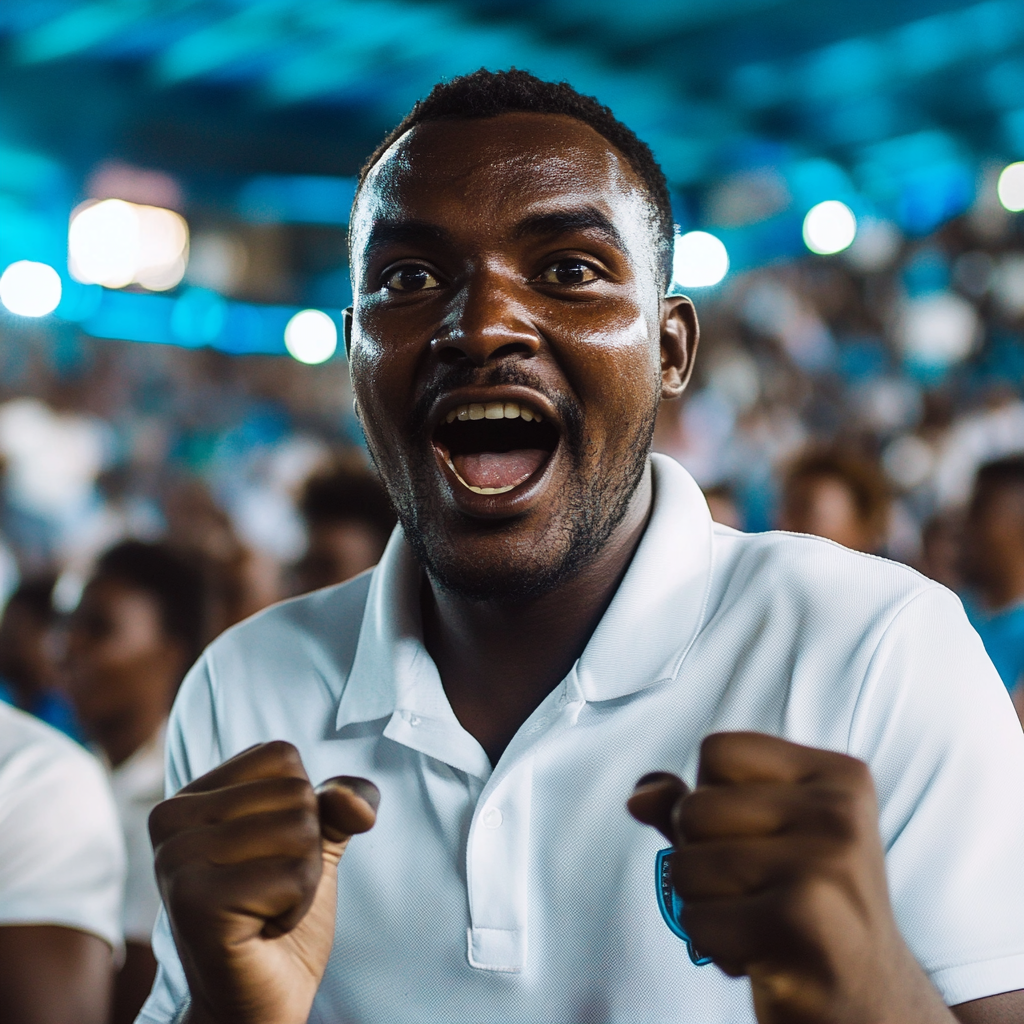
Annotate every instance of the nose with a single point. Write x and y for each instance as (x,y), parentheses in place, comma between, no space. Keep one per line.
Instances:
(487,320)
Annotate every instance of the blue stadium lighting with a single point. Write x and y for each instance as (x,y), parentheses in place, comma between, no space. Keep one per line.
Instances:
(296,199)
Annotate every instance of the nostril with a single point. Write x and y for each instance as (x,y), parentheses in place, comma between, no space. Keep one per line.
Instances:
(449,350)
(513,348)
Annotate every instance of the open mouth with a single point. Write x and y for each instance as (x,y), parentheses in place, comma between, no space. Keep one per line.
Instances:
(494,447)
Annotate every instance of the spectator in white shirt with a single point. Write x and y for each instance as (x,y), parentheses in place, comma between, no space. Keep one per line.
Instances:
(140,624)
(61,877)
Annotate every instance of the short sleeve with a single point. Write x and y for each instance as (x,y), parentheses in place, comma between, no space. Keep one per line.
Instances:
(946,750)
(62,858)
(193,748)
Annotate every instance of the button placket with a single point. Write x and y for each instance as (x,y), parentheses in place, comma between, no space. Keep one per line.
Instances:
(497,873)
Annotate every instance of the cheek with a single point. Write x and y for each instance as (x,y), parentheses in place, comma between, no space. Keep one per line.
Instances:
(614,366)
(381,377)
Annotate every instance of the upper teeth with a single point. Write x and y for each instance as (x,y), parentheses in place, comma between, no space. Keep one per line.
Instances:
(492,411)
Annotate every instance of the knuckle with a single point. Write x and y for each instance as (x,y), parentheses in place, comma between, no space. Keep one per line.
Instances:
(300,823)
(300,792)
(160,821)
(716,745)
(282,752)
(695,812)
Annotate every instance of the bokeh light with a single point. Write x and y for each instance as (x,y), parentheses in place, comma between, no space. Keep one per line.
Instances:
(1010,187)
(30,289)
(938,329)
(115,243)
(699,260)
(311,337)
(829,227)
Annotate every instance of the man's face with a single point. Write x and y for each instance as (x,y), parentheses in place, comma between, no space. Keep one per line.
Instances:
(510,344)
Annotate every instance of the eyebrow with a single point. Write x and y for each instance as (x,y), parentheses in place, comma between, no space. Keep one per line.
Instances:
(565,222)
(408,232)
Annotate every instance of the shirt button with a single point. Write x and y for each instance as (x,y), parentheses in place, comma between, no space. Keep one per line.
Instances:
(491,818)
(414,720)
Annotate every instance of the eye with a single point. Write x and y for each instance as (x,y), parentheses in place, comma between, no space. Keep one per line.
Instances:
(411,278)
(568,272)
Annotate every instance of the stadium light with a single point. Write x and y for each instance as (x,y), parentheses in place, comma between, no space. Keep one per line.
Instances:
(699,260)
(115,243)
(1010,187)
(30,289)
(311,337)
(829,227)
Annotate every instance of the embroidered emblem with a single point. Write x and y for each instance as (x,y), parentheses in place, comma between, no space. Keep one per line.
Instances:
(671,906)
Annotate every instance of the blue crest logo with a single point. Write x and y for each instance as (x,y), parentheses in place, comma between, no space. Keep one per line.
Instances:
(671,906)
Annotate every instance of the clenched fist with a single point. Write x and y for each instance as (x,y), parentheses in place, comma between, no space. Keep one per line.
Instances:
(780,867)
(247,860)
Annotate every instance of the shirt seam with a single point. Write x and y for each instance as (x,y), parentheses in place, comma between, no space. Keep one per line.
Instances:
(869,672)
(931,972)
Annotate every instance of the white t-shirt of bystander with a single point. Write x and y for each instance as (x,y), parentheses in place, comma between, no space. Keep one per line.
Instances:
(138,786)
(62,858)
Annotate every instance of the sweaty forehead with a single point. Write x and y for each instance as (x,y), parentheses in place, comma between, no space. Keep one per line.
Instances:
(500,166)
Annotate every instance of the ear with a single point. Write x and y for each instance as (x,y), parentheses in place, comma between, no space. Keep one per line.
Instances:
(346,330)
(680,334)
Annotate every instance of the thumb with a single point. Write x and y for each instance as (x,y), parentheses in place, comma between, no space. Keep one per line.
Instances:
(654,798)
(348,805)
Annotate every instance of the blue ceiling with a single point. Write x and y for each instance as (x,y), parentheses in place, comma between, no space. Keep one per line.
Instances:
(222,87)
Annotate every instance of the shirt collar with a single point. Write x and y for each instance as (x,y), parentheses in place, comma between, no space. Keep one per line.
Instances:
(642,638)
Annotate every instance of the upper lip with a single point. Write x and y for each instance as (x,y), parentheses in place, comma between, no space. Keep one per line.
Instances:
(532,399)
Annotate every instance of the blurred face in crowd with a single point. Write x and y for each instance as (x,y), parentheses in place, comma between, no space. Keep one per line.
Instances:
(25,659)
(120,666)
(337,551)
(825,506)
(509,345)
(993,544)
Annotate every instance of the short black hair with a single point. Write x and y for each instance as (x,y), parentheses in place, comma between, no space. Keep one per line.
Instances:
(36,597)
(861,476)
(346,494)
(1005,472)
(175,580)
(484,94)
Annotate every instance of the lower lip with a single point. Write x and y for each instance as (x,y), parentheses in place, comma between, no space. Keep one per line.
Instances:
(497,506)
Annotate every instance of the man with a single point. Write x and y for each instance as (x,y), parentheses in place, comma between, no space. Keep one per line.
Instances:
(61,877)
(993,566)
(556,618)
(140,624)
(348,521)
(837,495)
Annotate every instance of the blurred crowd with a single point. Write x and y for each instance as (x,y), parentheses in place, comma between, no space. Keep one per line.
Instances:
(151,497)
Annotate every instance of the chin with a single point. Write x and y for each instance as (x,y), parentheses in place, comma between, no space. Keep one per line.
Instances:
(510,563)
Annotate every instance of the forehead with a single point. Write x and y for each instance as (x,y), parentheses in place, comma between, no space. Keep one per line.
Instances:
(488,172)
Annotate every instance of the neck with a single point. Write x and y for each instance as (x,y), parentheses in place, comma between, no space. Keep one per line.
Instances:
(498,661)
(120,738)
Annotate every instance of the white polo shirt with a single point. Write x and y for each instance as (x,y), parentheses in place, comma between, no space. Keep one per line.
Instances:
(526,893)
(138,785)
(62,858)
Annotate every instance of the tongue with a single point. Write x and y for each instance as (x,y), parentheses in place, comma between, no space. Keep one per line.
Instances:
(499,469)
